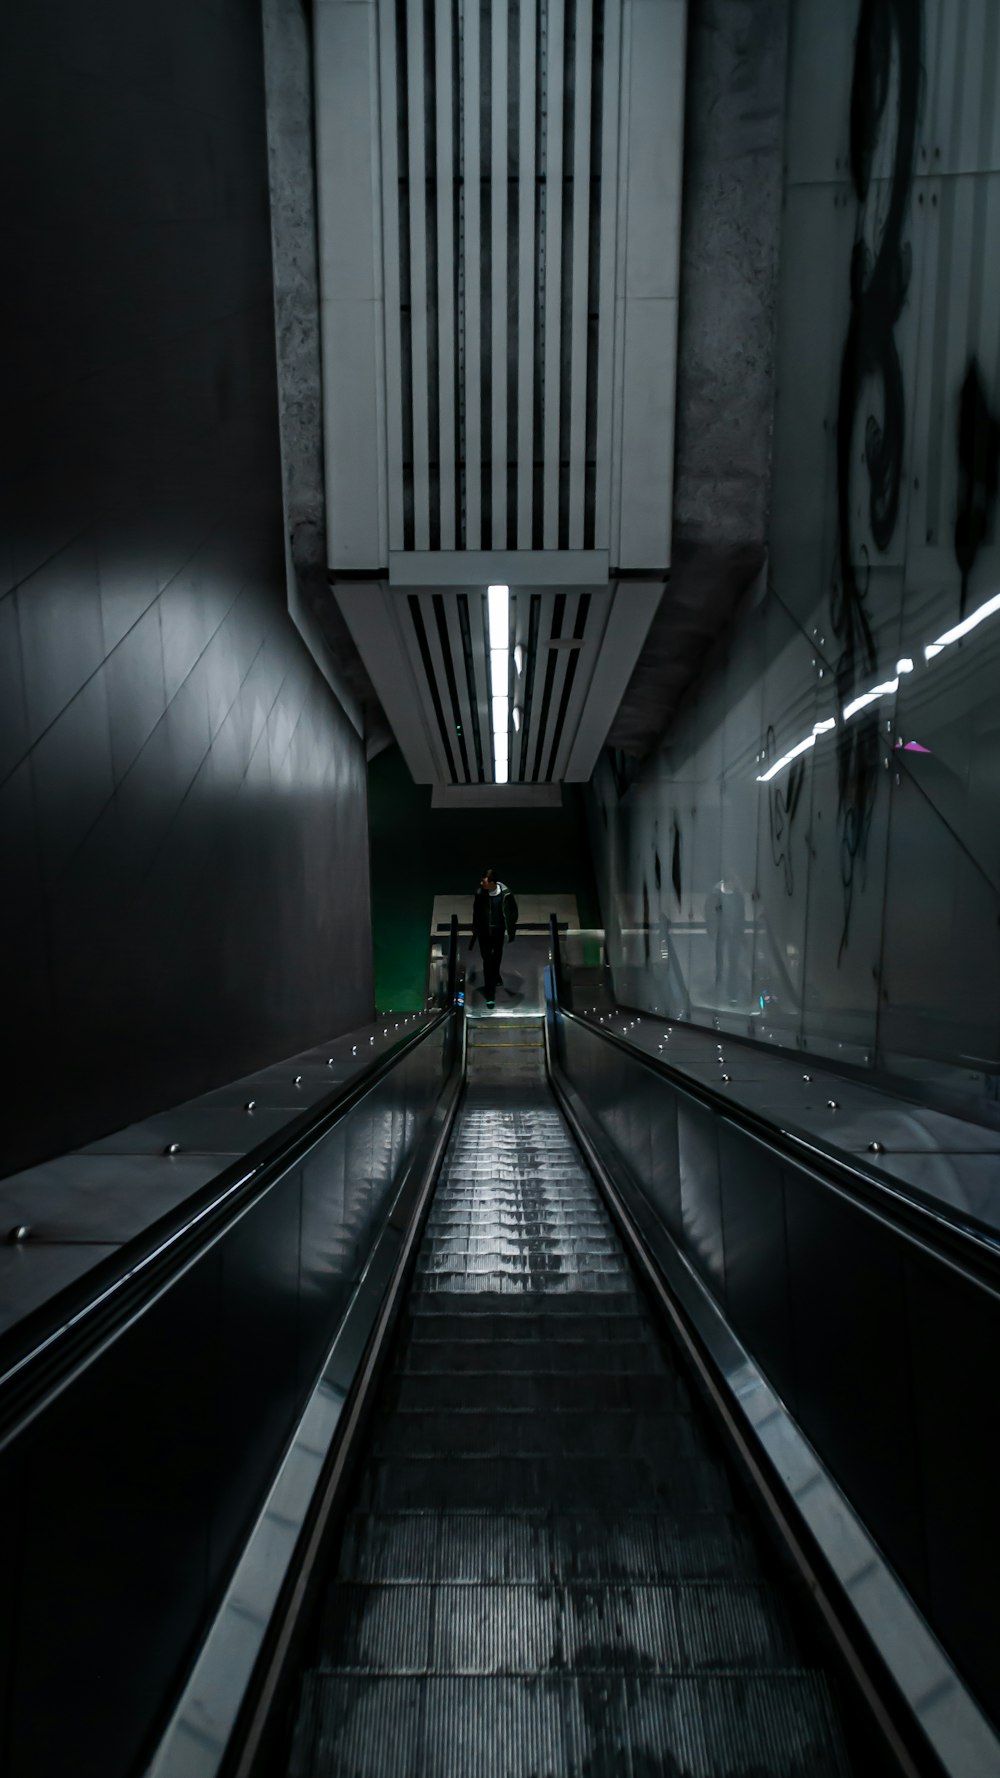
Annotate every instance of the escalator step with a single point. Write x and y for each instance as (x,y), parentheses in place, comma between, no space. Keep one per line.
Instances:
(534,1391)
(610,1484)
(660,1438)
(746,1726)
(527,1627)
(618,1316)
(574,1357)
(471,1546)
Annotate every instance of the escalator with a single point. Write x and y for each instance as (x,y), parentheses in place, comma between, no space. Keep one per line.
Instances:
(522,1406)
(544,1566)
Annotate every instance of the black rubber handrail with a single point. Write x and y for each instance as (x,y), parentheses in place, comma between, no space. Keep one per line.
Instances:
(40,1353)
(971,1248)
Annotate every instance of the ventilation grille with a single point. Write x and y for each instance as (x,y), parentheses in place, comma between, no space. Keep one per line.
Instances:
(495,114)
(559,633)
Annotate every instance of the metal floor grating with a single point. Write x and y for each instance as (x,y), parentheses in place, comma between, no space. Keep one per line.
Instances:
(543,1572)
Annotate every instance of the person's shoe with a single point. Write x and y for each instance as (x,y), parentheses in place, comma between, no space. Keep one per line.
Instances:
(491,1004)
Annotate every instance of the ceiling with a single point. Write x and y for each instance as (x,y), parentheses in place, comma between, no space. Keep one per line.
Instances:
(499,220)
(427,651)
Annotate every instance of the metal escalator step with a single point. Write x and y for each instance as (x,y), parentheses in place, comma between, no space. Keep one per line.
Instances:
(537,1391)
(615,1317)
(759,1726)
(542,1546)
(746,1726)
(521,1282)
(505,1484)
(662,1438)
(527,1627)
(573,1357)
(535,1238)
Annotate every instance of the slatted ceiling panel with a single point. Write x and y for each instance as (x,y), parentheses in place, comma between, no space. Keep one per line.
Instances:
(390,267)
(479,631)
(552,151)
(467,706)
(494,193)
(581,268)
(436,655)
(424,667)
(573,691)
(498,302)
(472,250)
(455,678)
(616,333)
(535,614)
(526,201)
(561,657)
(418,268)
(445,189)
(607,218)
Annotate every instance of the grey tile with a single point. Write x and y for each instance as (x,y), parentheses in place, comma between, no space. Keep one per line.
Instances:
(127,566)
(135,689)
(62,644)
(71,772)
(13,713)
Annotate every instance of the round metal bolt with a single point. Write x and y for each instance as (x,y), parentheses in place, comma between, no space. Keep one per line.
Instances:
(725,1077)
(172,1148)
(371,1040)
(249,1104)
(329,1061)
(807,1077)
(354,1049)
(833,1105)
(385,1030)
(876,1148)
(297,1082)
(19,1232)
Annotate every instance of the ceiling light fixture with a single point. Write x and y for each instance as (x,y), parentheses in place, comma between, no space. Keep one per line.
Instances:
(498,606)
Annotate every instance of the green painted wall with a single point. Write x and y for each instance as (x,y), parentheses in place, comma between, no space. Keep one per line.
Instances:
(417,853)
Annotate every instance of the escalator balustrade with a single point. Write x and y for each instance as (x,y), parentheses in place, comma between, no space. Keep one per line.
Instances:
(543,1569)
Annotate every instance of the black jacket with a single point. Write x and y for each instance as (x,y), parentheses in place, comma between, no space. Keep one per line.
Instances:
(481,914)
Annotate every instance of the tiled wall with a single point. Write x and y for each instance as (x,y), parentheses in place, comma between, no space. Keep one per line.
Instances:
(813,856)
(182,800)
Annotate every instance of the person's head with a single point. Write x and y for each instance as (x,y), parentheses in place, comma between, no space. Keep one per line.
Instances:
(489,880)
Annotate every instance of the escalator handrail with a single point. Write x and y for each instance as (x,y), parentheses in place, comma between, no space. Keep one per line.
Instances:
(41,1353)
(972,1250)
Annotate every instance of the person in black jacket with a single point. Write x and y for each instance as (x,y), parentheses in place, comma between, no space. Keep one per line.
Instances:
(494,918)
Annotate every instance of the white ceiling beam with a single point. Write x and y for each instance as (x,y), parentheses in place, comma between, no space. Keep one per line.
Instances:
(490,567)
(630,611)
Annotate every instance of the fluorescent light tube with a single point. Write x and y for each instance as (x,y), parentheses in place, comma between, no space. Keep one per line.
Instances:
(785,760)
(498,599)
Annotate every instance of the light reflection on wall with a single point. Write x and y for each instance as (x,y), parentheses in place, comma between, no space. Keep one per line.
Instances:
(812,855)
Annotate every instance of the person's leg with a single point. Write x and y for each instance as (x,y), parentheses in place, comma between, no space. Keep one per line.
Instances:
(491,969)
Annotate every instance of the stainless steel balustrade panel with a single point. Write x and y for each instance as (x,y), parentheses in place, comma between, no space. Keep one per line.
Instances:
(875,1344)
(133,1489)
